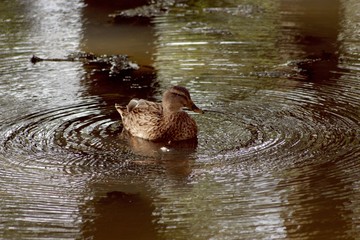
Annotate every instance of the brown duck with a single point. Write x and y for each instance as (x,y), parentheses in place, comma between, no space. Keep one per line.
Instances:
(164,121)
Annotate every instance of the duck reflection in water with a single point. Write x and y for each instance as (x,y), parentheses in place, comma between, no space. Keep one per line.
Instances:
(159,149)
(175,157)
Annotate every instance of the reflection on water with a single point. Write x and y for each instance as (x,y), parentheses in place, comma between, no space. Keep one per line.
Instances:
(277,151)
(101,36)
(117,215)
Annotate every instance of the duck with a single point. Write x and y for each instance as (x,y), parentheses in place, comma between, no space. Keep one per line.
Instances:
(164,121)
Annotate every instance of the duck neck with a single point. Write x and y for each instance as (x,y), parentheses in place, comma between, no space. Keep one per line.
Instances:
(169,111)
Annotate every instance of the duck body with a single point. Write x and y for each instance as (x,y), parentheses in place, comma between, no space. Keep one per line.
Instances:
(164,121)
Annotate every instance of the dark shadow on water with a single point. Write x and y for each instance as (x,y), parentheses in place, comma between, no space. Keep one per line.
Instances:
(104,36)
(319,205)
(121,87)
(120,215)
(313,27)
(316,207)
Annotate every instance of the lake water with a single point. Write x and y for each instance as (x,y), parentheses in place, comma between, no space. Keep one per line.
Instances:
(278,151)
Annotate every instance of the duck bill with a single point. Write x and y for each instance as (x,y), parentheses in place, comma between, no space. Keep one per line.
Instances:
(194,108)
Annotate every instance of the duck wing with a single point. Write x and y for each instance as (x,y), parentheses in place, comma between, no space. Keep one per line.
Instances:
(142,118)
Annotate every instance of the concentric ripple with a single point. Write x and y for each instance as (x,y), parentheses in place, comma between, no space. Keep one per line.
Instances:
(83,137)
(75,138)
(298,132)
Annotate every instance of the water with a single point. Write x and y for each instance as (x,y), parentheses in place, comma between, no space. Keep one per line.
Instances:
(278,148)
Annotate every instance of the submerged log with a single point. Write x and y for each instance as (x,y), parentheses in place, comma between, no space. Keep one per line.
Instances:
(114,64)
(34,59)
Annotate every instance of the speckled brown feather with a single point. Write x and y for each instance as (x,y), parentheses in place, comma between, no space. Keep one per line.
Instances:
(148,120)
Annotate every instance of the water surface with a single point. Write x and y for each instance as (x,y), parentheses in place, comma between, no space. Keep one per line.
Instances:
(278,148)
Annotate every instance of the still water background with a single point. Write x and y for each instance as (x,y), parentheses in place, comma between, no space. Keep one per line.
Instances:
(278,149)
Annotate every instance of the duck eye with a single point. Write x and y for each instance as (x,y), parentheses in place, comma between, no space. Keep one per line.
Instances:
(178,95)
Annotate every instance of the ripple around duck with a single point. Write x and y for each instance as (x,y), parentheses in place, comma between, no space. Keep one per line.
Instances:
(82,137)
(74,138)
(279,136)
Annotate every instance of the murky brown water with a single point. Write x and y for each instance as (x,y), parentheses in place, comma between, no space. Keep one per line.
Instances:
(278,150)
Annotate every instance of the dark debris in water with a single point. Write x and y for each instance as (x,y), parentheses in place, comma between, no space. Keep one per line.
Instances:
(142,15)
(297,69)
(202,28)
(246,10)
(113,64)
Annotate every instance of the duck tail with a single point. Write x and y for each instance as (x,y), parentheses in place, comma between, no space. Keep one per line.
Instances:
(120,109)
